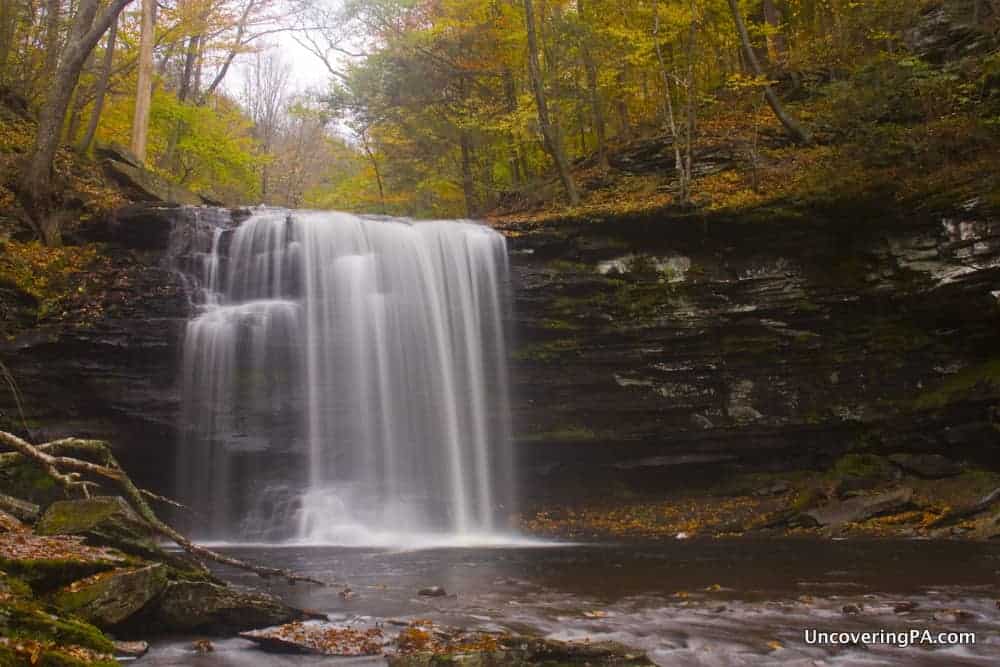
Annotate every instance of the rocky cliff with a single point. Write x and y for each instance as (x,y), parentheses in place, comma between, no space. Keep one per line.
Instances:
(656,352)
(646,353)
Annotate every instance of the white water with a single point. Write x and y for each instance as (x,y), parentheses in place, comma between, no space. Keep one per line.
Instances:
(344,381)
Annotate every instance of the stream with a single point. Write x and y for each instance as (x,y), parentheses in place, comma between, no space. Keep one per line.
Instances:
(692,602)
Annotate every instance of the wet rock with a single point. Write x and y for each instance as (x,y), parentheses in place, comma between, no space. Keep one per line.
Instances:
(860,508)
(110,598)
(851,609)
(523,652)
(102,521)
(318,639)
(131,650)
(927,466)
(964,511)
(432,592)
(200,606)
(202,646)
(904,607)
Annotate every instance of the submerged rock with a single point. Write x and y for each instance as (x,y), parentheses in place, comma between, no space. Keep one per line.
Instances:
(432,592)
(860,508)
(102,521)
(110,598)
(190,606)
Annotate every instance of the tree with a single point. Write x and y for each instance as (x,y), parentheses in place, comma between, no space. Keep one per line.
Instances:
(550,135)
(36,192)
(596,105)
(102,89)
(144,87)
(795,130)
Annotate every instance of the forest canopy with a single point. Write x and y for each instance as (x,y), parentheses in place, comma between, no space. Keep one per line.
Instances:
(446,108)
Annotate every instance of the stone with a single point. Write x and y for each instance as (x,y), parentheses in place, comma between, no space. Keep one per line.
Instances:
(927,466)
(851,609)
(904,607)
(201,606)
(860,508)
(102,521)
(110,598)
(131,649)
(47,563)
(527,652)
(432,592)
(140,184)
(318,639)
(19,509)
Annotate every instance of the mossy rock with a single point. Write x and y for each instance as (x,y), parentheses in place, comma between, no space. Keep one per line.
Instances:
(863,466)
(102,521)
(44,574)
(12,587)
(528,652)
(28,482)
(109,598)
(60,639)
(201,606)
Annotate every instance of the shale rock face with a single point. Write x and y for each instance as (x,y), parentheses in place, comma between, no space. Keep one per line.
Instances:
(646,349)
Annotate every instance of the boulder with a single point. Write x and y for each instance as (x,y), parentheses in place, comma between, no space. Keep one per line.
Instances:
(927,466)
(318,638)
(201,606)
(19,509)
(860,508)
(109,598)
(102,521)
(46,563)
(139,183)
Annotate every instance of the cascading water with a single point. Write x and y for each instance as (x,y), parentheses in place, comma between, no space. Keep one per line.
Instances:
(344,380)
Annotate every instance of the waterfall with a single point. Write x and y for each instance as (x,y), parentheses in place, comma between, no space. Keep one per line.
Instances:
(344,379)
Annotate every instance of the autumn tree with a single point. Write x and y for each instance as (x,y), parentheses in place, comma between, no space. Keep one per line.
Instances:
(91,21)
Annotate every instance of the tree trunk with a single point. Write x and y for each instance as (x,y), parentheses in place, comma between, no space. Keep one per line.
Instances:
(772,14)
(796,131)
(468,182)
(144,88)
(624,122)
(102,89)
(36,189)
(596,108)
(53,10)
(679,165)
(190,56)
(551,139)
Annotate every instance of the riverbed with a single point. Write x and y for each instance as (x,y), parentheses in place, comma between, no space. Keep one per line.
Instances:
(684,602)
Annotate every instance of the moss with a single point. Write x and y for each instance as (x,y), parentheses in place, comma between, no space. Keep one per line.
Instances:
(48,573)
(864,466)
(28,620)
(749,344)
(547,352)
(960,385)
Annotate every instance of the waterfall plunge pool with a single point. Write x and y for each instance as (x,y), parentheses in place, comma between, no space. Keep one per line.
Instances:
(691,602)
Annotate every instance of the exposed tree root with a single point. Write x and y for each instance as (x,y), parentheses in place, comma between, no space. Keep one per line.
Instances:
(68,472)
